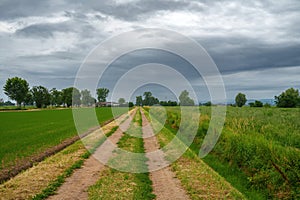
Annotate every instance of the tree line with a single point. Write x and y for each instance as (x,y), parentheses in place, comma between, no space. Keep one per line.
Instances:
(290,98)
(18,89)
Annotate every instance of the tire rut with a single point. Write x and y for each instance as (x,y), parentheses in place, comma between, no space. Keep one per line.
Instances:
(164,182)
(76,186)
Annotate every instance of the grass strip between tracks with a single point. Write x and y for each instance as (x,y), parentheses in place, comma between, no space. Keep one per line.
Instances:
(114,184)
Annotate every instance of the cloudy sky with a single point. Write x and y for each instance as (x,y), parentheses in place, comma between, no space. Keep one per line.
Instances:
(255,44)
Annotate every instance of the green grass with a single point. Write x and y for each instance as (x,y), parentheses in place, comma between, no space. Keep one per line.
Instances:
(53,186)
(200,181)
(114,184)
(258,151)
(23,134)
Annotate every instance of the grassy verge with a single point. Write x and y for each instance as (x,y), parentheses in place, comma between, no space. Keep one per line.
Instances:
(198,179)
(114,184)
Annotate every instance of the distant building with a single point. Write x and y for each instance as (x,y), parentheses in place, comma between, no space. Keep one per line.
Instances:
(107,104)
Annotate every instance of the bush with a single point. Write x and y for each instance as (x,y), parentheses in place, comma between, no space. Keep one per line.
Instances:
(288,99)
(256,104)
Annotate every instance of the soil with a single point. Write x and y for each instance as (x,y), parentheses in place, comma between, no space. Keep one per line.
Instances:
(75,187)
(164,182)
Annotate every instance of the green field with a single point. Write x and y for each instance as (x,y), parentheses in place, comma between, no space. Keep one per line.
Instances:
(258,151)
(26,133)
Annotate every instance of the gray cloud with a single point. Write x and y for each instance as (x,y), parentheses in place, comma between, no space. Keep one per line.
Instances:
(47,40)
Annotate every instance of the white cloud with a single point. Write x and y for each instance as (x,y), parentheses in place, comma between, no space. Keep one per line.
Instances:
(11,26)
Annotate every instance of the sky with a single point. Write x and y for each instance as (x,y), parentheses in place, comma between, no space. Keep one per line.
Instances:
(255,44)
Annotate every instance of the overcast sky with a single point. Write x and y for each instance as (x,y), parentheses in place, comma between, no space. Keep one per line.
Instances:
(255,44)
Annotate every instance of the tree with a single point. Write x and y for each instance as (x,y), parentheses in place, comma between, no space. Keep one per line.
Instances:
(56,97)
(130,104)
(76,97)
(149,100)
(288,99)
(71,96)
(29,99)
(41,96)
(87,98)
(240,99)
(8,103)
(121,101)
(139,101)
(185,100)
(16,89)
(256,104)
(102,94)
(208,103)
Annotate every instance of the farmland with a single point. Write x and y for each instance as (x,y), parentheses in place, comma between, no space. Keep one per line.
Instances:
(27,133)
(258,151)
(257,155)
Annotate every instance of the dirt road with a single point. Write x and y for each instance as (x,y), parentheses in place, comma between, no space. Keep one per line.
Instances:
(76,186)
(165,184)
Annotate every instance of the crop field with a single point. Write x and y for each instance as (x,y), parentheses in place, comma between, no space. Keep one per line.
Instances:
(258,151)
(26,133)
(256,157)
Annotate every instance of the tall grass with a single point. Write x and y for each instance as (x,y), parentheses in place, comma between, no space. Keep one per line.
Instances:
(262,144)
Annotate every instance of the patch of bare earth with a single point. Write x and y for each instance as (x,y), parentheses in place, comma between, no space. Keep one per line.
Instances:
(165,184)
(76,186)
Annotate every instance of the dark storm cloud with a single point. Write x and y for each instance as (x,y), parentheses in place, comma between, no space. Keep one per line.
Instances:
(11,9)
(50,39)
(256,56)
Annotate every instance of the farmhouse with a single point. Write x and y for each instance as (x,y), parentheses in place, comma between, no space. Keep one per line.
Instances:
(107,104)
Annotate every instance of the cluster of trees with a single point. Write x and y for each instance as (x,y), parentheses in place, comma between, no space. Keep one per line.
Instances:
(287,99)
(18,89)
(148,100)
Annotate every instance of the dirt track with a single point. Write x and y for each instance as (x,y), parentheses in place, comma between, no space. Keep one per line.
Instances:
(76,186)
(165,184)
